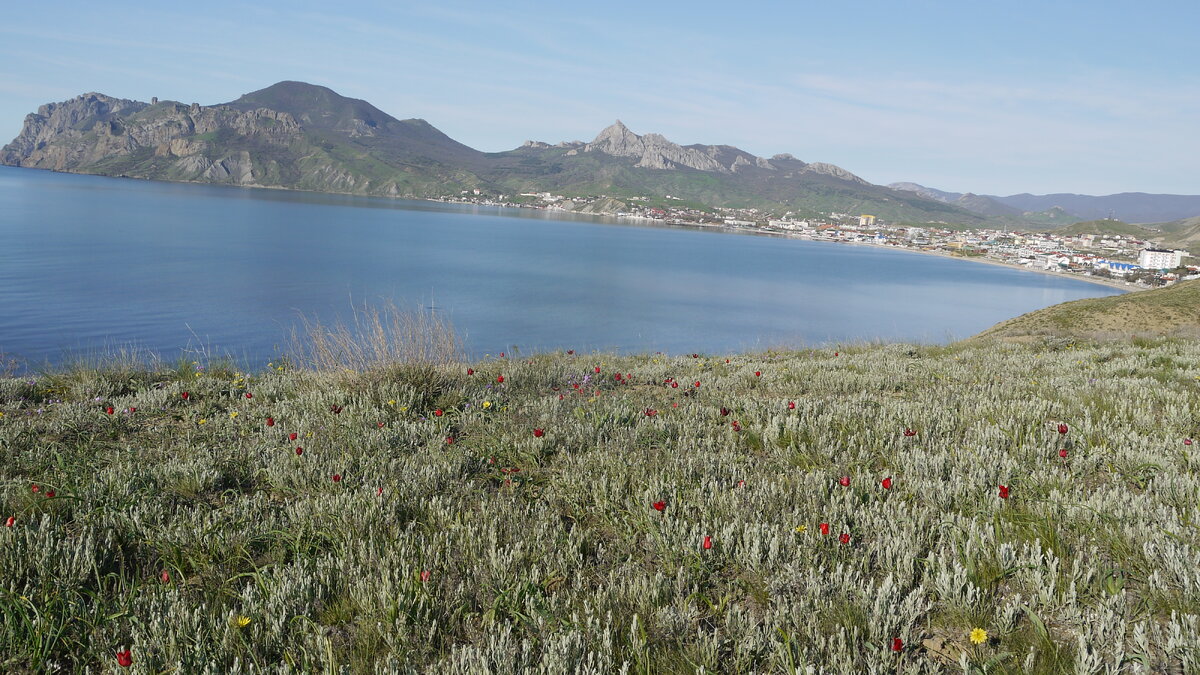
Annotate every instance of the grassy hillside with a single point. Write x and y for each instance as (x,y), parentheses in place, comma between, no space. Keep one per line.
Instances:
(1182,233)
(417,520)
(1174,310)
(1108,227)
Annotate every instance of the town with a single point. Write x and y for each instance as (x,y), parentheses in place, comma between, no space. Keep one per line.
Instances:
(1118,260)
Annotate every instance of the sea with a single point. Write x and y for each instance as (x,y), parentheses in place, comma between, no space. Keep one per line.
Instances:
(93,265)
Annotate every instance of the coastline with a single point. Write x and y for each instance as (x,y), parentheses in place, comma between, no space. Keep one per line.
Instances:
(636,221)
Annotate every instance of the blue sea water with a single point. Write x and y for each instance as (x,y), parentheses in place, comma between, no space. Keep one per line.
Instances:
(89,264)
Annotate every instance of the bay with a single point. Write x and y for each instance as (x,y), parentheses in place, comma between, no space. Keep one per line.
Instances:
(91,264)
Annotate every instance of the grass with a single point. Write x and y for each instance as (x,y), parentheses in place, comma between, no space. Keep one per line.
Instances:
(1174,310)
(174,519)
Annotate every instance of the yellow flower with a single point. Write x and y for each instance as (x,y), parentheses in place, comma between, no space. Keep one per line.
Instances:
(801,529)
(487,404)
(233,414)
(403,408)
(979,636)
(392,402)
(242,621)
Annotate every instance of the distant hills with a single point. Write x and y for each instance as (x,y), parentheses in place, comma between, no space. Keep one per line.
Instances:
(1137,207)
(302,136)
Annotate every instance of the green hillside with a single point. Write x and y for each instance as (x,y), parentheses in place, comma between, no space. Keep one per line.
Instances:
(1108,227)
(1174,310)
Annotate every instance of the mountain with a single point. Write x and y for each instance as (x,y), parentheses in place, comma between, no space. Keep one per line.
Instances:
(302,136)
(1166,311)
(1137,207)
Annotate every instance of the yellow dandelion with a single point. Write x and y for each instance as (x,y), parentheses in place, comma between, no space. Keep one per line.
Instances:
(801,529)
(233,415)
(242,621)
(403,408)
(979,636)
(487,404)
(201,421)
(392,402)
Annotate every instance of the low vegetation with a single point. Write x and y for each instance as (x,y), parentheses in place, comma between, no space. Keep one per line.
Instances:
(1019,508)
(1170,311)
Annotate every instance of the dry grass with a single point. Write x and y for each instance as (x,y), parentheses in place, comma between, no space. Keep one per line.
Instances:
(377,339)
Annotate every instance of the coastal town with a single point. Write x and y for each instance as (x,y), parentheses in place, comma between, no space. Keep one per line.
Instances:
(1118,260)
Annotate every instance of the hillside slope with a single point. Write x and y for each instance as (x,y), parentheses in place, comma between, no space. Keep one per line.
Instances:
(1174,310)
(302,136)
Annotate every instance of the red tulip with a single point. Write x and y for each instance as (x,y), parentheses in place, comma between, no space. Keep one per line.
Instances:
(659,506)
(707,543)
(758,373)
(270,421)
(335,409)
(449,440)
(109,410)
(292,436)
(9,523)
(132,409)
(35,489)
(696,384)
(438,413)
(741,483)
(724,412)
(337,477)
(736,425)
(1063,429)
(560,397)
(845,538)
(576,386)
(185,395)
(845,481)
(470,371)
(1003,492)
(909,432)
(791,405)
(49,494)
(424,576)
(299,451)
(538,433)
(824,528)
(501,354)
(835,353)
(674,385)
(617,377)
(124,659)
(628,376)
(249,395)
(695,356)
(597,369)
(897,644)
(165,576)
(499,379)
(1063,453)
(570,351)
(1187,441)
(651,412)
(887,483)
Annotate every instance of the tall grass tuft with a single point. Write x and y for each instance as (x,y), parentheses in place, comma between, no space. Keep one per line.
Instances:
(381,340)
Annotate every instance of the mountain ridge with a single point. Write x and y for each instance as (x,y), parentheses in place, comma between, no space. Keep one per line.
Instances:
(303,136)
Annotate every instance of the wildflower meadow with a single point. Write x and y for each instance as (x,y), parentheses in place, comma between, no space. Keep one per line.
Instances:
(977,507)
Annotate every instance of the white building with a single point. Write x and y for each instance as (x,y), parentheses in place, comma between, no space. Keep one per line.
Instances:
(1160,259)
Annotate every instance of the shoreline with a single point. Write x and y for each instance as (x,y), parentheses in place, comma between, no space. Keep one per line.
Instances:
(636,221)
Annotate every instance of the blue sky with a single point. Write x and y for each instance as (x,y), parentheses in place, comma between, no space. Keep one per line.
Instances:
(998,97)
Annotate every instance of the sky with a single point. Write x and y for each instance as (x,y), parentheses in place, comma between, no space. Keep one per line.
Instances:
(992,98)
